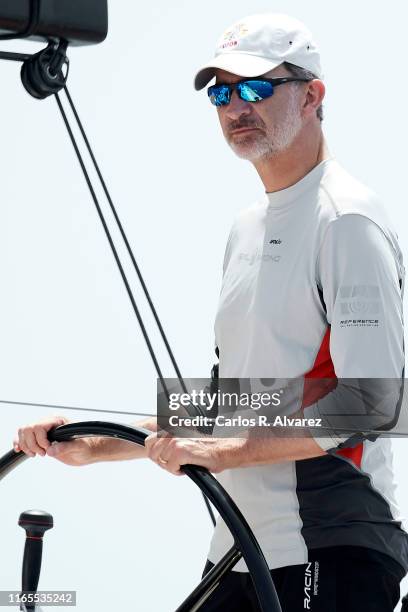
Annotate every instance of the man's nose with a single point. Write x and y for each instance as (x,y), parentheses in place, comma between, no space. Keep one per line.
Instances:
(237,107)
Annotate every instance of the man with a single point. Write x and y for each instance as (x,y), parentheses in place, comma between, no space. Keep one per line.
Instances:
(298,265)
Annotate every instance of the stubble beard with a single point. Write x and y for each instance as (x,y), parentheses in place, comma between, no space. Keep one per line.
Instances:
(266,143)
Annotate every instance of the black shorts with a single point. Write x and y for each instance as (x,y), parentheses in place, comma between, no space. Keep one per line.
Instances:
(336,579)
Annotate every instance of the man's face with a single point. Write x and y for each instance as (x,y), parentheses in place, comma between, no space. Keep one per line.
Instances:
(262,129)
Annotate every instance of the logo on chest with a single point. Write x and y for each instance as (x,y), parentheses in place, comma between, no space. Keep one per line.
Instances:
(258,256)
(251,258)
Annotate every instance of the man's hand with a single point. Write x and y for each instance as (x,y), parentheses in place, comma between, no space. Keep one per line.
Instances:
(32,440)
(171,453)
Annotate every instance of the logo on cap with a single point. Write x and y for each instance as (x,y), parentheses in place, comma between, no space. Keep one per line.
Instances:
(231,37)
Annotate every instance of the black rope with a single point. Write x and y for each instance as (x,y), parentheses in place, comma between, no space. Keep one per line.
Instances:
(119,264)
(126,241)
(61,407)
(14,57)
(129,249)
(112,245)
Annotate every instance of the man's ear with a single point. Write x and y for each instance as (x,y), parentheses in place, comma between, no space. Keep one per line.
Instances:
(314,96)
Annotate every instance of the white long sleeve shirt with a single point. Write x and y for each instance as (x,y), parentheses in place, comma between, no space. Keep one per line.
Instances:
(313,280)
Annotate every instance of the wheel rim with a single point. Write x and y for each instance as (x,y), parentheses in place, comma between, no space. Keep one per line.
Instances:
(244,539)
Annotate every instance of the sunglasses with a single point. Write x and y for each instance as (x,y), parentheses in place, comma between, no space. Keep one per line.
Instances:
(250,90)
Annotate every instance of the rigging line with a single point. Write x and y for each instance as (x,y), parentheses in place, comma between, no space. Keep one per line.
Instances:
(125,239)
(112,245)
(120,267)
(59,407)
(147,414)
(14,57)
(128,247)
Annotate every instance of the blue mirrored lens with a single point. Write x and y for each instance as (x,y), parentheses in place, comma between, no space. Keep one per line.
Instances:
(219,94)
(254,90)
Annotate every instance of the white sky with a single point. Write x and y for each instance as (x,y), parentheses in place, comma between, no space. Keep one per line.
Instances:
(67,332)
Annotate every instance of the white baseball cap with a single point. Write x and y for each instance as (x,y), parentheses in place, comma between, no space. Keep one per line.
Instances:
(256,44)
